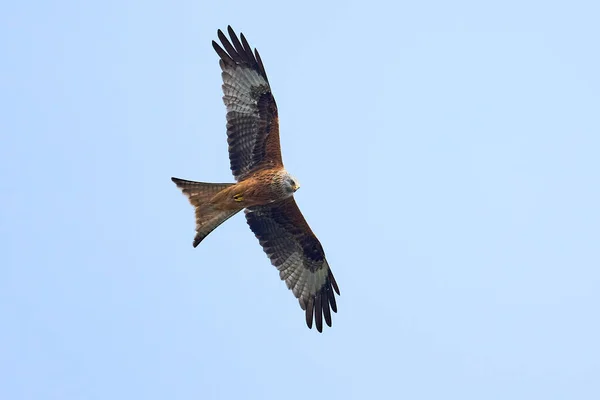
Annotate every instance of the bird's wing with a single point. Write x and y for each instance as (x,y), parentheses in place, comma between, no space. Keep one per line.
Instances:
(298,255)
(252,122)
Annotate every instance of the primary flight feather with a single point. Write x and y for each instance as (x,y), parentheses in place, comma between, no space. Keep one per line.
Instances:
(264,188)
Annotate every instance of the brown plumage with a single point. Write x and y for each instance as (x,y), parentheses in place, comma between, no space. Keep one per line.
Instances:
(264,188)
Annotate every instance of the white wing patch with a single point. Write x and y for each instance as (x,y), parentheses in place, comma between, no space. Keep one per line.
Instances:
(301,281)
(237,89)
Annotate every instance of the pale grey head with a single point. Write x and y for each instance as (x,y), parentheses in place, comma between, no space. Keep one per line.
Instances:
(287,184)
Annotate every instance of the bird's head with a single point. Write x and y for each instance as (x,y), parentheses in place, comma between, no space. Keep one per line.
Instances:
(291,183)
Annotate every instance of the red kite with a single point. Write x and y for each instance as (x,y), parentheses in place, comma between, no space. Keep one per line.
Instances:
(264,188)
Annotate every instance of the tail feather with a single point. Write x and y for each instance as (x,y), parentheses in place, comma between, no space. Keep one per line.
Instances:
(207,216)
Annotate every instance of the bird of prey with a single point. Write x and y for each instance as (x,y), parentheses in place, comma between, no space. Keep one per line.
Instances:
(263,188)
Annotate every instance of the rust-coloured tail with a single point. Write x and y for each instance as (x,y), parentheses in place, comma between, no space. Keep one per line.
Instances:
(207,216)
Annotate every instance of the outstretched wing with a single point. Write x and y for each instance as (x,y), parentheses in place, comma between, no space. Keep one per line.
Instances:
(252,122)
(298,255)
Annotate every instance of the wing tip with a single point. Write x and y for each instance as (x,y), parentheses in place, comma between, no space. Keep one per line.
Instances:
(334,284)
(230,30)
(235,52)
(320,305)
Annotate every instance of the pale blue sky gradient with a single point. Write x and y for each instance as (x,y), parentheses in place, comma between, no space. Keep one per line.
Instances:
(449,160)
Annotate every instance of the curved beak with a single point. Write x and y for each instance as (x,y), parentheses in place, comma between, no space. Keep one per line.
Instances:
(296,187)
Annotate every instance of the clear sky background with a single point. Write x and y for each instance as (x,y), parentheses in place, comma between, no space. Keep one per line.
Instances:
(449,160)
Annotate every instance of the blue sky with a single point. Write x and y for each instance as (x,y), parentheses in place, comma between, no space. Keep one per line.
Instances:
(448,155)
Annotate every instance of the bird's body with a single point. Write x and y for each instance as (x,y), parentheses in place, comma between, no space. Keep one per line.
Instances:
(264,189)
(259,188)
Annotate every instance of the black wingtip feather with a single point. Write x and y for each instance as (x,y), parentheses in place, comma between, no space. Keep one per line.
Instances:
(229,48)
(333,282)
(238,46)
(246,45)
(309,313)
(331,299)
(318,313)
(261,67)
(238,52)
(321,304)
(222,54)
(325,305)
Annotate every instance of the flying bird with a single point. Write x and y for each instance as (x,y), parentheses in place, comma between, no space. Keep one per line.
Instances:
(263,188)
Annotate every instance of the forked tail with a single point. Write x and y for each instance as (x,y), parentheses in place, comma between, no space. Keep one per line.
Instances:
(207,216)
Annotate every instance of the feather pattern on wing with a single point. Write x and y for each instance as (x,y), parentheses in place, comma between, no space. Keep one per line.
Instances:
(293,248)
(252,119)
